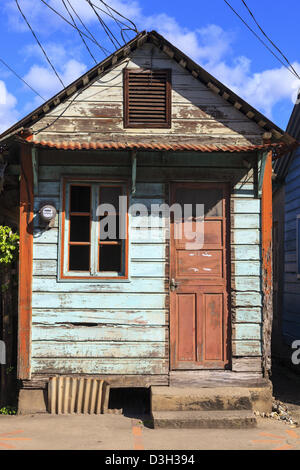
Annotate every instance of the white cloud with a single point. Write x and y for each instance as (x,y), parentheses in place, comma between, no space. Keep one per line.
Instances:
(45,81)
(266,89)
(8,112)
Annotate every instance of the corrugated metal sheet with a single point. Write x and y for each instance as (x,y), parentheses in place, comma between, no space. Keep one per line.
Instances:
(69,395)
(74,145)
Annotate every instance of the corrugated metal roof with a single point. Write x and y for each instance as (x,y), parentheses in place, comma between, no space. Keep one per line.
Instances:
(148,146)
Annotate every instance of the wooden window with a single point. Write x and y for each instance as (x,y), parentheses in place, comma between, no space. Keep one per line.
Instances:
(94,245)
(147,98)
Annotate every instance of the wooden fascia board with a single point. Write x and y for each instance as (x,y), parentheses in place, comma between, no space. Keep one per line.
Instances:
(267,262)
(25,263)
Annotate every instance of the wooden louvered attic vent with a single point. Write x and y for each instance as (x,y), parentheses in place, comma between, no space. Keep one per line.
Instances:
(147,98)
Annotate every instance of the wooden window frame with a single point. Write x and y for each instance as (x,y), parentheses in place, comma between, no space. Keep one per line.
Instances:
(165,125)
(94,273)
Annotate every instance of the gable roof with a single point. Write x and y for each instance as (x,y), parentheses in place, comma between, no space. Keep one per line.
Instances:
(273,132)
(281,166)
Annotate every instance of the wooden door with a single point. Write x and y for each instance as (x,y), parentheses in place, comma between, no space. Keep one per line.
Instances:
(199,280)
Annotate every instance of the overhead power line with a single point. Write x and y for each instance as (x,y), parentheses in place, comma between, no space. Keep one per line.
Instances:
(88,31)
(273,44)
(107,30)
(81,36)
(261,40)
(20,78)
(84,34)
(117,22)
(40,45)
(121,16)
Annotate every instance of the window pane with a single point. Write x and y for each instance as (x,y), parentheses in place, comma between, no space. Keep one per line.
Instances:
(110,195)
(109,228)
(79,229)
(80,199)
(211,198)
(110,258)
(79,258)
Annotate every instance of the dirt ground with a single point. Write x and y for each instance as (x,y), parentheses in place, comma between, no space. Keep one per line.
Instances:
(130,431)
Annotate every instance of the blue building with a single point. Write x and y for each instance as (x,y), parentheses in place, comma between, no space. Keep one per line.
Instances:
(286,246)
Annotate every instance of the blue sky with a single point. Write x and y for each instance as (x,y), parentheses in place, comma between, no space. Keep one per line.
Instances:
(209,32)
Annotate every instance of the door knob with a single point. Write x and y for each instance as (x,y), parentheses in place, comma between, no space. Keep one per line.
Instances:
(173,285)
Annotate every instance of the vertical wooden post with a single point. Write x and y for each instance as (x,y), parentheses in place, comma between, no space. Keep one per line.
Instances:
(25,262)
(267,277)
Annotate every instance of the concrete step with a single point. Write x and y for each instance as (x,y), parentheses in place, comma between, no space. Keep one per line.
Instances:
(200,399)
(203,419)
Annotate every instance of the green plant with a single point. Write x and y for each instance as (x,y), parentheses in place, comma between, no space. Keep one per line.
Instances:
(8,410)
(9,370)
(9,245)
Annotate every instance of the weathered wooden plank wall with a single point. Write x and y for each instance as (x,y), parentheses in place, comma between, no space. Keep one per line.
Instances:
(197,113)
(291,287)
(246,281)
(128,333)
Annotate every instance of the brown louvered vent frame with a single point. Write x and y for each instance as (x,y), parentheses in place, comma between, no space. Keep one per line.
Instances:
(147,98)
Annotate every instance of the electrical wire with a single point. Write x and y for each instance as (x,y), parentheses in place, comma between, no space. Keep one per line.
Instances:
(89,32)
(72,101)
(20,78)
(40,45)
(58,117)
(118,22)
(122,16)
(84,34)
(81,36)
(273,44)
(108,32)
(115,20)
(256,35)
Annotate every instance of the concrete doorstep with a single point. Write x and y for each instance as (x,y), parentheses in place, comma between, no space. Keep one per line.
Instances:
(208,408)
(204,419)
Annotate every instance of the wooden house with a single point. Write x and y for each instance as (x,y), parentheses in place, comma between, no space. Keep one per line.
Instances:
(150,124)
(286,203)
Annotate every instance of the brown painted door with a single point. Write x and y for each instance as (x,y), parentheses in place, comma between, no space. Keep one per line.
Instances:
(199,279)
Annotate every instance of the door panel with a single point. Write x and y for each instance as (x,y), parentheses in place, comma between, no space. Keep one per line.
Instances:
(214,313)
(199,287)
(186,308)
(207,264)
